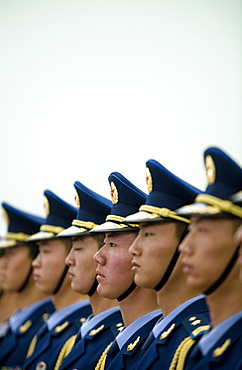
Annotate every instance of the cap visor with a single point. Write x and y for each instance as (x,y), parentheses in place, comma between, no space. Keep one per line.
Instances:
(199,209)
(72,231)
(111,226)
(143,217)
(41,235)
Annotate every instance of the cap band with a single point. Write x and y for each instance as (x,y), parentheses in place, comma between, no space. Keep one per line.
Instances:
(163,212)
(119,219)
(220,205)
(86,224)
(51,229)
(17,236)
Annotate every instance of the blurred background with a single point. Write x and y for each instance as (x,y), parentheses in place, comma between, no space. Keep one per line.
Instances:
(88,87)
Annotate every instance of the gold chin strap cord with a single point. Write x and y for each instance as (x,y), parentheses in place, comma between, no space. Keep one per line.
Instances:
(64,352)
(163,212)
(102,360)
(179,358)
(220,204)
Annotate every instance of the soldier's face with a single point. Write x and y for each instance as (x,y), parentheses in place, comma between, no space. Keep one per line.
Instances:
(114,273)
(82,267)
(207,250)
(49,265)
(14,267)
(152,252)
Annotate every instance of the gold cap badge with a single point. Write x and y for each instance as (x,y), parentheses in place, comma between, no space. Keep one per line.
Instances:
(77,199)
(114,193)
(46,206)
(210,169)
(149,182)
(5,216)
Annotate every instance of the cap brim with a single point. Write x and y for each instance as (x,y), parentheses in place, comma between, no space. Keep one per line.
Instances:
(112,226)
(200,209)
(142,216)
(41,235)
(73,231)
(8,243)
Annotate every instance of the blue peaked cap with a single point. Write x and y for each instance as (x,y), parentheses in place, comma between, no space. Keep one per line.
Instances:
(59,215)
(224,179)
(224,176)
(129,197)
(167,192)
(126,199)
(59,212)
(92,211)
(20,225)
(93,207)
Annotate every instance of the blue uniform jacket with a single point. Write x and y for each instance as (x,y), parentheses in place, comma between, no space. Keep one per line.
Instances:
(159,354)
(226,355)
(129,354)
(87,351)
(50,342)
(14,346)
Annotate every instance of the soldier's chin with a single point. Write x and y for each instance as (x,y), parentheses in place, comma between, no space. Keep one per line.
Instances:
(143,281)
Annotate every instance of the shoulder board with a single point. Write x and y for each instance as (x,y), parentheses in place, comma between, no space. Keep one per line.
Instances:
(196,325)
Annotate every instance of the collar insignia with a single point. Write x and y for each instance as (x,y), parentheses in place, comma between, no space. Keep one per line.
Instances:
(220,350)
(149,181)
(59,328)
(23,328)
(120,326)
(167,332)
(95,331)
(131,346)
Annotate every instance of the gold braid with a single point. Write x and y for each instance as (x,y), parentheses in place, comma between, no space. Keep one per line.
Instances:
(179,357)
(32,346)
(101,362)
(65,350)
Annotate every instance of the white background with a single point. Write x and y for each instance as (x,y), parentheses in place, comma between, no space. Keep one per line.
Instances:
(91,87)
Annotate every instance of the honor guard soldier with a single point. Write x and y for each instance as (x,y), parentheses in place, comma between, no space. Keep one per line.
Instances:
(156,264)
(102,327)
(209,259)
(17,277)
(50,274)
(116,279)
